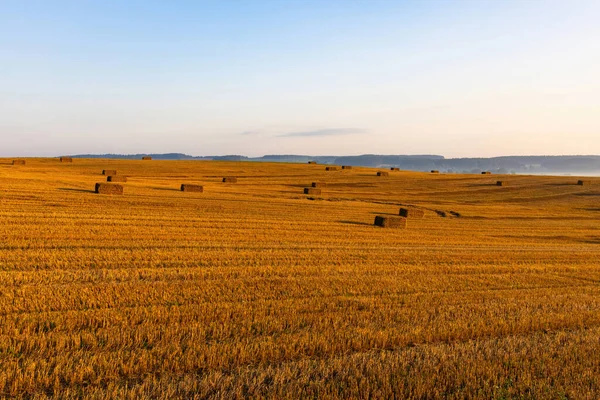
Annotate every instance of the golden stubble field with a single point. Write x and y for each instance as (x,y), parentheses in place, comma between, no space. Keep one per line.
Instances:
(252,290)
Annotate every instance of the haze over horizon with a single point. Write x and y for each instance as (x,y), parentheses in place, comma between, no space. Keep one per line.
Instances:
(459,79)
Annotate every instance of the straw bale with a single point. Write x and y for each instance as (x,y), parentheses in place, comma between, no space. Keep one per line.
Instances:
(186,187)
(385,221)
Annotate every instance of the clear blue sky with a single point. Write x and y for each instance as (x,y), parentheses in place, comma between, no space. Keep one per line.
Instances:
(457,78)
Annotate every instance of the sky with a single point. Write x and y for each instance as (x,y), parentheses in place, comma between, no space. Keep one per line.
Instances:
(458,78)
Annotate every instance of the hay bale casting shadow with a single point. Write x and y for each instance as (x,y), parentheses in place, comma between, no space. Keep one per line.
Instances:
(390,222)
(411,213)
(186,187)
(229,179)
(18,162)
(109,172)
(313,191)
(108,188)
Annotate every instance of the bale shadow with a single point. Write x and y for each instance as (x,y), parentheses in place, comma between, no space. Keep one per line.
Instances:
(384,213)
(355,222)
(592,240)
(77,190)
(587,194)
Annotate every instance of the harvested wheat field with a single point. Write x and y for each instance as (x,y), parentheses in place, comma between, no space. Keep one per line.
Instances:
(253,290)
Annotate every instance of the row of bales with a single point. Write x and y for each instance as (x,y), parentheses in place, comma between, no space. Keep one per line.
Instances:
(315,191)
(434,171)
(400,221)
(190,187)
(112,178)
(22,162)
(348,167)
(100,187)
(386,221)
(70,159)
(112,188)
(315,188)
(579,182)
(383,221)
(64,159)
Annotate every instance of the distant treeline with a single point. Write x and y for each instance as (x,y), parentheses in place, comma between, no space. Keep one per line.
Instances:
(509,164)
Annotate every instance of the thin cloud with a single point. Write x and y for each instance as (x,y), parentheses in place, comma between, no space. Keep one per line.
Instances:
(248,133)
(325,132)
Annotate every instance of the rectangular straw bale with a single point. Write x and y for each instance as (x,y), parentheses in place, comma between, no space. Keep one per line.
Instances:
(230,179)
(394,169)
(500,183)
(108,188)
(435,171)
(385,221)
(66,159)
(330,168)
(346,166)
(383,173)
(147,158)
(186,187)
(109,172)
(312,162)
(412,213)
(584,183)
(116,178)
(311,190)
(486,173)
(18,162)
(319,184)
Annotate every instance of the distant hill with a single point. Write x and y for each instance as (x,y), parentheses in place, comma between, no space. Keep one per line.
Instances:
(509,164)
(165,156)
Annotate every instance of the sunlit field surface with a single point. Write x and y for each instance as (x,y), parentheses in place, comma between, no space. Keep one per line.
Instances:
(251,289)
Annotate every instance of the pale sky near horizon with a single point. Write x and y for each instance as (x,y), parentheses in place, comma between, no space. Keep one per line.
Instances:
(455,78)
